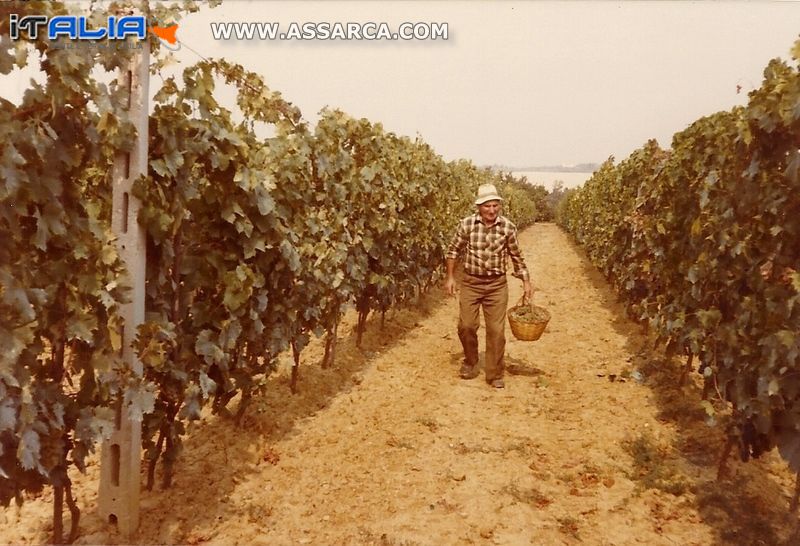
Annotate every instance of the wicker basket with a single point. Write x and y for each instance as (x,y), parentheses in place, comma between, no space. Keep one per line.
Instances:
(527,331)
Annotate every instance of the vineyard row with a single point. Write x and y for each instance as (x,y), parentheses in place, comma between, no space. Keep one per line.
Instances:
(703,243)
(254,244)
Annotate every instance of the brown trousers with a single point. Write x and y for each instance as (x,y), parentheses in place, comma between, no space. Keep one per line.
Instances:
(491,293)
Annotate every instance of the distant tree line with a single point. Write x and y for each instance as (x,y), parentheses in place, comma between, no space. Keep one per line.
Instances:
(546,202)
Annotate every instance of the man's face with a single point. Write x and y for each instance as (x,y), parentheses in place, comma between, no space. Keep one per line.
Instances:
(489,210)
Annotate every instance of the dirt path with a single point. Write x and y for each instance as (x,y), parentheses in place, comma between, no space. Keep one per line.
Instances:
(594,444)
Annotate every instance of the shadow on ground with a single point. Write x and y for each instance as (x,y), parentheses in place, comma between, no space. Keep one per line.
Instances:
(214,460)
(750,505)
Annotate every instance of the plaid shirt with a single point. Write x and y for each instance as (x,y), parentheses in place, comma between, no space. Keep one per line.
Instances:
(488,247)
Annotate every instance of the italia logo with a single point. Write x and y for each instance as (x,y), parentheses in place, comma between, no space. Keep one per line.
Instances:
(76,27)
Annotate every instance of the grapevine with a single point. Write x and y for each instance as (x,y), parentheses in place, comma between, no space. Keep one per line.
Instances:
(703,242)
(253,245)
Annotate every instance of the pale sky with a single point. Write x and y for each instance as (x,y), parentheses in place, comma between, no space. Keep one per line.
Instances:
(516,83)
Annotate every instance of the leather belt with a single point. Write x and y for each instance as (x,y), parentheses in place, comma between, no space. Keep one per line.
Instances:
(491,276)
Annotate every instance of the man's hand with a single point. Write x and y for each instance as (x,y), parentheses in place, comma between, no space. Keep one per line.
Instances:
(450,286)
(527,289)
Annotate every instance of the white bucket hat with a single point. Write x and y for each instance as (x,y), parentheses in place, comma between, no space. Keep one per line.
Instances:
(487,192)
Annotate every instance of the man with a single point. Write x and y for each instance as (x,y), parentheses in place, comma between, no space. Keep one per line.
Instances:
(485,239)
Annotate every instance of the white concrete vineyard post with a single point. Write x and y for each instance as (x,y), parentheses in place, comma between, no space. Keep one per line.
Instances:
(121,455)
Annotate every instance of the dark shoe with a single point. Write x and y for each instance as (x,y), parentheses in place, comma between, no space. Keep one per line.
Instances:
(497,383)
(468,372)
